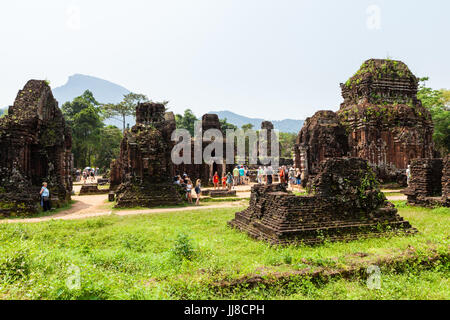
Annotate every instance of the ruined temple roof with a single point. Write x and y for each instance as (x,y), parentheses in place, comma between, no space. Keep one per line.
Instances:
(381,68)
(31,101)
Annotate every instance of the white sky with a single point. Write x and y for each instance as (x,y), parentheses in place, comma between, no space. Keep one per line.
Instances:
(268,59)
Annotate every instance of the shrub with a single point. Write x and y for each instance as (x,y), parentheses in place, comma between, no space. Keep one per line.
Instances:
(183,247)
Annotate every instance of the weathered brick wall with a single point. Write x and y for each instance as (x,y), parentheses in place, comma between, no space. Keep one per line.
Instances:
(347,204)
(35,147)
(425,182)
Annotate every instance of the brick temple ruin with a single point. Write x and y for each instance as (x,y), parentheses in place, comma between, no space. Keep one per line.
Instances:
(143,173)
(35,147)
(381,120)
(346,204)
(429,185)
(205,171)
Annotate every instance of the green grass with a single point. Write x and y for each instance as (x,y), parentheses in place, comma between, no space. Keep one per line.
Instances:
(185,254)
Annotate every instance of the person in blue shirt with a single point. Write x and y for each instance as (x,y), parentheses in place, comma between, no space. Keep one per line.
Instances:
(45,197)
(241,175)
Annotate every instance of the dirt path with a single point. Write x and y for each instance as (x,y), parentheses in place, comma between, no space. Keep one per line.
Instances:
(95,206)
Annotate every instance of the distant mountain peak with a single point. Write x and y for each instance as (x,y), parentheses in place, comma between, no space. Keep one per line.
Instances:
(286,125)
(104,91)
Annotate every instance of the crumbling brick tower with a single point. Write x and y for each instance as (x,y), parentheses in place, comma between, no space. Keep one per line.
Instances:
(381,119)
(322,137)
(144,167)
(345,204)
(35,147)
(386,123)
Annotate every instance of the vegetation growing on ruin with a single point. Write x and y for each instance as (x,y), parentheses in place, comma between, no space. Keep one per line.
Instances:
(194,255)
(378,69)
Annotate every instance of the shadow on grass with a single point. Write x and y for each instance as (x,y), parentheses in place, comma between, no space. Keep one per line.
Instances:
(41,213)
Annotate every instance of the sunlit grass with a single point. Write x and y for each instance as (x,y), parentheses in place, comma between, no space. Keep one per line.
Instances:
(132,257)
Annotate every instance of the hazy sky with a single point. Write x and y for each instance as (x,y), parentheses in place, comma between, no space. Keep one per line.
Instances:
(269,59)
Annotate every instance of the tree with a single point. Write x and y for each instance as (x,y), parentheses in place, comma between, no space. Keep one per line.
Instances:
(3,112)
(108,147)
(287,142)
(247,126)
(224,125)
(83,115)
(186,121)
(438,103)
(127,107)
(70,109)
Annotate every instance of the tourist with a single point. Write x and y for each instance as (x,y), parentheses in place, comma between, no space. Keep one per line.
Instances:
(269,175)
(198,191)
(281,174)
(241,175)
(229,181)
(189,191)
(236,176)
(216,181)
(92,175)
(408,174)
(78,175)
(291,175)
(258,175)
(84,176)
(45,197)
(298,177)
(224,182)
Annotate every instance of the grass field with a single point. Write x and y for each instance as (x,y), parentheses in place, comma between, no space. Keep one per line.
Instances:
(194,255)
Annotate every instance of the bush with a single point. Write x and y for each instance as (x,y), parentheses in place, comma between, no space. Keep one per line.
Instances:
(183,247)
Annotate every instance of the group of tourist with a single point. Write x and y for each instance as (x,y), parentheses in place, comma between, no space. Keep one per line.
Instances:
(292,176)
(240,176)
(186,183)
(88,174)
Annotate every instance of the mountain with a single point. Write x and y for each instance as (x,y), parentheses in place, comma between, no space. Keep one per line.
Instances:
(104,92)
(107,92)
(287,125)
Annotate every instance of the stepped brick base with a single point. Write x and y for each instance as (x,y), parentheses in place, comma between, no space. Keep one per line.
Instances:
(148,195)
(339,211)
